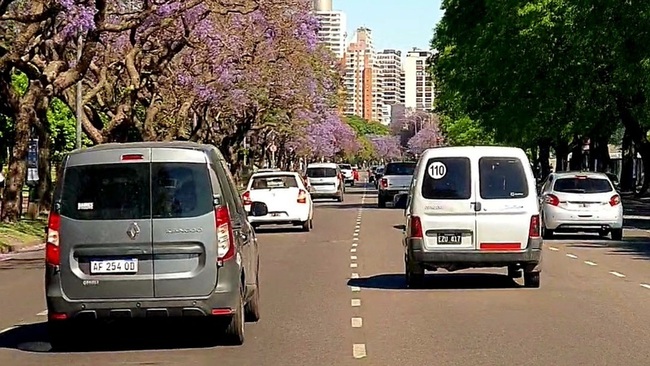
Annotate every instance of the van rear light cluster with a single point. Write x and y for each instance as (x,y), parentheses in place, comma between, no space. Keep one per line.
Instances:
(615,200)
(52,249)
(225,237)
(246,198)
(302,196)
(415,226)
(534,229)
(384,183)
(128,157)
(552,200)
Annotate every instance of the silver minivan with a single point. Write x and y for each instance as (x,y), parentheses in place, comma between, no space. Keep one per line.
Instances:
(143,230)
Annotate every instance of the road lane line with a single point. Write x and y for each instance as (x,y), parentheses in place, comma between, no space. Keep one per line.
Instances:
(357,322)
(42,313)
(353,257)
(354,245)
(355,239)
(355,275)
(590,263)
(553,249)
(355,234)
(645,285)
(353,250)
(359,350)
(617,274)
(355,303)
(353,265)
(572,256)
(356,230)
(355,288)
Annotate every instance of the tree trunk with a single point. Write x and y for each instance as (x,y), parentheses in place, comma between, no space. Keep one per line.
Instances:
(45,186)
(638,136)
(627,163)
(561,155)
(544,155)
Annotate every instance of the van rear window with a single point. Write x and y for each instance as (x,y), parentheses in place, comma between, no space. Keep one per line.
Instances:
(447,178)
(136,191)
(321,172)
(502,178)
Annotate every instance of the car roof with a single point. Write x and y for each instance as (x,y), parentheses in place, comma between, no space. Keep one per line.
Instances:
(597,175)
(322,165)
(144,145)
(275,173)
(474,151)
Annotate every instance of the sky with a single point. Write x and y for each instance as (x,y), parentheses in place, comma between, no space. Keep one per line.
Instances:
(396,24)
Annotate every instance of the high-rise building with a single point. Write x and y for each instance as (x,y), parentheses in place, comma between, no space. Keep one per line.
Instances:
(362,79)
(332,26)
(392,75)
(418,86)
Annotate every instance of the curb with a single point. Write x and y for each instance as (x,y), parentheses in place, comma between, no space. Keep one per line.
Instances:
(25,249)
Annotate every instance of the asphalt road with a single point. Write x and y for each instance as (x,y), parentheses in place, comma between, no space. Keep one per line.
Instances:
(336,296)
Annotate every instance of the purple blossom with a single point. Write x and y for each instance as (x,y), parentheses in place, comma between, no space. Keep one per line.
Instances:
(427,137)
(77,18)
(386,147)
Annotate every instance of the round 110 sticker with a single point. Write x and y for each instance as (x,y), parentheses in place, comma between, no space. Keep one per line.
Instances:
(437,170)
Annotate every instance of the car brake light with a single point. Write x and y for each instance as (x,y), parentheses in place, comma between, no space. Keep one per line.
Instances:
(246,198)
(225,236)
(52,251)
(581,177)
(302,196)
(552,200)
(127,157)
(534,228)
(416,227)
(615,200)
(384,183)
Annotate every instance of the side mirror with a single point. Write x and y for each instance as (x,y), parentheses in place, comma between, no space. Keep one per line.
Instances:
(258,209)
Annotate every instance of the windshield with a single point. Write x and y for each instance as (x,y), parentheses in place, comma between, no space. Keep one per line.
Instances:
(400,169)
(274,182)
(582,185)
(321,172)
(345,166)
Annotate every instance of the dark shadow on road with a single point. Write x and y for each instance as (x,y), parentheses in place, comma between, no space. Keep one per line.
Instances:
(349,206)
(284,229)
(114,338)
(22,263)
(400,227)
(636,247)
(438,281)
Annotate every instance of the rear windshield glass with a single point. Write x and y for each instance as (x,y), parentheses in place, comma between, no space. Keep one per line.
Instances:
(447,179)
(321,172)
(582,185)
(274,181)
(345,166)
(502,178)
(135,191)
(400,169)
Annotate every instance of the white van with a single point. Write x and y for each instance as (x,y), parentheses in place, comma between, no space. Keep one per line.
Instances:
(326,181)
(473,207)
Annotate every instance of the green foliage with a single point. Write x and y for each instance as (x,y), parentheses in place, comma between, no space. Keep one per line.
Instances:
(363,127)
(465,132)
(63,129)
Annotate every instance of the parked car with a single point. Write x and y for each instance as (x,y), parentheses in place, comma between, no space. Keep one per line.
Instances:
(395,181)
(581,202)
(141,230)
(286,196)
(326,181)
(473,207)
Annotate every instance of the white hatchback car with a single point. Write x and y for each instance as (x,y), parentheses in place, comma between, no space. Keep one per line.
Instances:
(581,202)
(473,207)
(286,196)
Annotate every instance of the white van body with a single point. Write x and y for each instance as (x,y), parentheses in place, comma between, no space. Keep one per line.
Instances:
(472,207)
(325,180)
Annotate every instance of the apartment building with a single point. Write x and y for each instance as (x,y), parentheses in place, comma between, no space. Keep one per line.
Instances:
(362,78)
(392,76)
(332,31)
(418,86)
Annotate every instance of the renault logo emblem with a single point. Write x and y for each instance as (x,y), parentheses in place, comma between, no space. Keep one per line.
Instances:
(133,231)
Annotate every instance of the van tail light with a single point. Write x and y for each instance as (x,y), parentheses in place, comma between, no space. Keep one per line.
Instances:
(615,200)
(552,200)
(52,249)
(534,230)
(384,183)
(416,228)
(246,198)
(302,196)
(225,237)
(128,157)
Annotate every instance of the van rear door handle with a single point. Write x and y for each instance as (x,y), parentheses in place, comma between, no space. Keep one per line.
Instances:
(477,206)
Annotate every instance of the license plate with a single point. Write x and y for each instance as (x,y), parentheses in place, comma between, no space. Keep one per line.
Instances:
(114,266)
(276,214)
(450,238)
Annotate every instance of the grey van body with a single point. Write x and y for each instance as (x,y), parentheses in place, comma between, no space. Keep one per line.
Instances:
(158,209)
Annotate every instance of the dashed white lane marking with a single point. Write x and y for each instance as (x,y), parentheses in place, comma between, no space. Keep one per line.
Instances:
(590,263)
(357,322)
(553,249)
(354,275)
(353,250)
(353,257)
(645,285)
(353,265)
(355,234)
(355,303)
(617,274)
(42,313)
(354,245)
(355,288)
(355,239)
(572,256)
(358,350)
(356,230)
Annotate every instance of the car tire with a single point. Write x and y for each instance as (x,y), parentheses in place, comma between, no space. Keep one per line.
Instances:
(306,226)
(233,335)
(532,279)
(311,223)
(414,274)
(547,233)
(252,308)
(617,234)
(381,202)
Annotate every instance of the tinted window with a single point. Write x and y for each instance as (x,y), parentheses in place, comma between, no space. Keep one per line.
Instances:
(345,166)
(502,178)
(321,172)
(180,190)
(106,192)
(274,181)
(400,169)
(582,185)
(447,179)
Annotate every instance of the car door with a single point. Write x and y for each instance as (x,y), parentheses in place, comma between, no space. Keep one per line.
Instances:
(507,201)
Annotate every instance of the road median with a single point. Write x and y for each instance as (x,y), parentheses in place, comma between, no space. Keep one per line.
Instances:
(22,236)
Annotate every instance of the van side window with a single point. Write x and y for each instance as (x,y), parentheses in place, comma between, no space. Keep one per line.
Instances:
(502,178)
(180,190)
(447,178)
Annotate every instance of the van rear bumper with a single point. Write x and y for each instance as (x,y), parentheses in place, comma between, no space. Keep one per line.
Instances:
(530,257)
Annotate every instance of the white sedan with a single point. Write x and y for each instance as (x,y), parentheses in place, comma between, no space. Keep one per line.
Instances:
(286,196)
